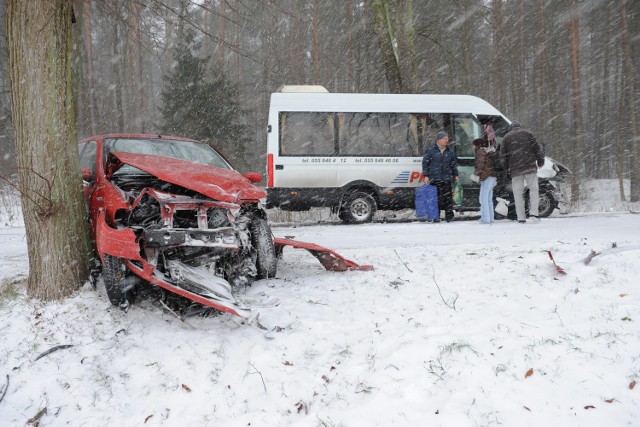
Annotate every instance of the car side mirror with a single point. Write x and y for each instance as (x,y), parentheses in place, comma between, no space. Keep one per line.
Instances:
(254,177)
(87,175)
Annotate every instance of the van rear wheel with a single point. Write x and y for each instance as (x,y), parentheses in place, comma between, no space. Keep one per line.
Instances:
(547,203)
(357,208)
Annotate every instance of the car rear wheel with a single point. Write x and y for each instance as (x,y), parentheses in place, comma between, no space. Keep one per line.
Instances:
(114,275)
(357,208)
(262,241)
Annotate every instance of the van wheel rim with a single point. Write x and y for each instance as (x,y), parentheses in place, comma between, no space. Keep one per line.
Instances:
(360,209)
(544,203)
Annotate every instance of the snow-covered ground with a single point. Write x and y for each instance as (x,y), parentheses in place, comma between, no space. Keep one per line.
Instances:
(459,324)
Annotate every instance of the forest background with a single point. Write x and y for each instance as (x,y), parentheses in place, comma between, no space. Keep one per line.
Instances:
(567,69)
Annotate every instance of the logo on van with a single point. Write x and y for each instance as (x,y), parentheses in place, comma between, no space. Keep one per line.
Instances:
(407,177)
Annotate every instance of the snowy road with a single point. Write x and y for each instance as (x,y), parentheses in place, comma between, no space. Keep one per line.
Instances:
(459,325)
(616,227)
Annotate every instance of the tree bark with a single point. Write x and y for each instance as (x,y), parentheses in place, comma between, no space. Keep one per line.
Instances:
(88,49)
(39,42)
(577,136)
(396,33)
(630,89)
(135,59)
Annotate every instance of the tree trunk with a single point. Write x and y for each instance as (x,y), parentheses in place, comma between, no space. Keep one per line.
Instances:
(498,57)
(223,40)
(630,89)
(315,50)
(88,48)
(116,72)
(39,42)
(577,136)
(135,58)
(394,25)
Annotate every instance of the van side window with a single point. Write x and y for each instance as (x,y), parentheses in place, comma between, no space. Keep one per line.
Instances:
(376,134)
(432,123)
(465,129)
(307,134)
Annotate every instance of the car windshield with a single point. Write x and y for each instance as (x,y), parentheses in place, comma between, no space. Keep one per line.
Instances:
(183,150)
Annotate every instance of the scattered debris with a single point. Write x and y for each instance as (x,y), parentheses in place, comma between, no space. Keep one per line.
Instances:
(35,420)
(302,406)
(614,249)
(558,268)
(4,390)
(529,373)
(52,349)
(329,259)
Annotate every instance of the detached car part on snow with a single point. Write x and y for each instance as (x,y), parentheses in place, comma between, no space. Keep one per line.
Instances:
(174,213)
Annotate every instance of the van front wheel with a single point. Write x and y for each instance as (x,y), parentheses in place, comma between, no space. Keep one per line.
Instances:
(357,208)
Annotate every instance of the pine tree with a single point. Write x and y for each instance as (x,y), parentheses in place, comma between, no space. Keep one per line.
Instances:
(200,108)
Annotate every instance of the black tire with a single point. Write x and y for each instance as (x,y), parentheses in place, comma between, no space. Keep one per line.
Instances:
(114,274)
(357,208)
(262,242)
(547,203)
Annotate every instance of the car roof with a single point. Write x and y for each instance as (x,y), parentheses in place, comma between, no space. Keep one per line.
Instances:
(138,136)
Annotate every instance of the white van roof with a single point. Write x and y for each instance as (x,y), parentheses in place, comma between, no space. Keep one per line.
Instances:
(371,102)
(302,89)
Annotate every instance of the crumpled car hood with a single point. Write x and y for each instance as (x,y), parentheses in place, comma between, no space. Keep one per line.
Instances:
(224,185)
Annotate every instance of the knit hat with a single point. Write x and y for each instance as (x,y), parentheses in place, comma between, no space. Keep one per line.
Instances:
(441,135)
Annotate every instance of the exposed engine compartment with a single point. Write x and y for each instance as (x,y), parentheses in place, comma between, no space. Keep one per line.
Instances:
(194,242)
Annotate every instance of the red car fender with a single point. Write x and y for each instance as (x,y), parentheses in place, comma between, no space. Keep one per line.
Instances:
(118,243)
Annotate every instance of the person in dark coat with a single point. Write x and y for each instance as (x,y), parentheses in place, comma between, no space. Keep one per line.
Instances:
(521,155)
(440,169)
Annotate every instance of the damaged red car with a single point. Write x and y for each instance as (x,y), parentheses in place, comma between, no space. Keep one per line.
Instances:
(174,213)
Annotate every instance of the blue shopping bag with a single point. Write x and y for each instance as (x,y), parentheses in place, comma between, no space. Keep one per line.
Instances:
(427,202)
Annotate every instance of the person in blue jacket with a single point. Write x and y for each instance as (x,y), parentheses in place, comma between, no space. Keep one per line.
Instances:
(440,169)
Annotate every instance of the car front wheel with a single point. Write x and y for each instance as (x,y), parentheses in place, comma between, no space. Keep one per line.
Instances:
(262,242)
(114,274)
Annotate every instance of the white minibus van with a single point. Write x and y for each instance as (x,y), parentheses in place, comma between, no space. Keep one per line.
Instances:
(357,153)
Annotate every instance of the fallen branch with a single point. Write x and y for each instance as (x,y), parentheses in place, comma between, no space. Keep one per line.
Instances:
(52,349)
(176,314)
(259,373)
(401,260)
(6,387)
(453,304)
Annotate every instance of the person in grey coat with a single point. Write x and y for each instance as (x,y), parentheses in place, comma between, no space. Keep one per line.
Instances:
(521,155)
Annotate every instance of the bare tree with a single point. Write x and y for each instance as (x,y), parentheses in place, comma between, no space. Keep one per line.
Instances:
(577,134)
(630,91)
(39,42)
(394,25)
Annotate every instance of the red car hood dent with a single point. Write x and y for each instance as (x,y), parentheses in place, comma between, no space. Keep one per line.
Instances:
(225,185)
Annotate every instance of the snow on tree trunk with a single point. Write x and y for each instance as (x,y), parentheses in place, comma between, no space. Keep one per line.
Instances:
(42,101)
